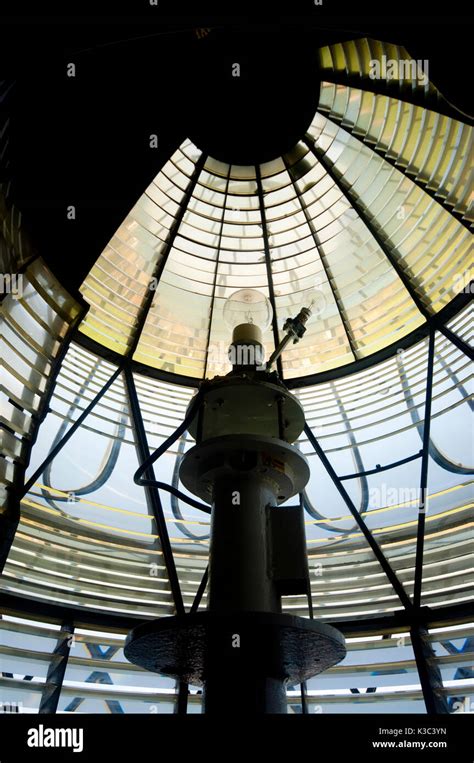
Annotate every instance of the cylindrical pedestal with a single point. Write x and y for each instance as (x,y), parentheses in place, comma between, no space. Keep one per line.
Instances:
(239,564)
(243,650)
(240,580)
(249,695)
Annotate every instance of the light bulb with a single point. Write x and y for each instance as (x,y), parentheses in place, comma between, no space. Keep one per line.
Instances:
(315,300)
(247,313)
(248,306)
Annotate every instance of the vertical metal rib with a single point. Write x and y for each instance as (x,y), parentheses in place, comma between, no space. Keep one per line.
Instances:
(214,285)
(268,265)
(420,539)
(414,179)
(380,556)
(57,669)
(354,201)
(327,268)
(161,262)
(152,495)
(60,445)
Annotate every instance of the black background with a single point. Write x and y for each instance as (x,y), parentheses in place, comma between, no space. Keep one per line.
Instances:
(320,737)
(85,140)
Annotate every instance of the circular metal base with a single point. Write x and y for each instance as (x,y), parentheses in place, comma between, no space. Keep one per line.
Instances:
(247,404)
(281,646)
(275,461)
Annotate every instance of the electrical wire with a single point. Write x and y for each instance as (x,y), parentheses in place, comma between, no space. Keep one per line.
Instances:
(143,468)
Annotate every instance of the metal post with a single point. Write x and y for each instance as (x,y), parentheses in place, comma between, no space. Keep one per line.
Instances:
(304,695)
(430,676)
(397,585)
(152,495)
(420,538)
(200,591)
(456,340)
(60,445)
(268,265)
(181,707)
(239,564)
(9,520)
(57,670)
(240,581)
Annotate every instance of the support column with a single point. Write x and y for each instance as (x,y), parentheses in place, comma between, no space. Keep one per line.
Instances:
(239,564)
(240,580)
(430,676)
(9,520)
(57,670)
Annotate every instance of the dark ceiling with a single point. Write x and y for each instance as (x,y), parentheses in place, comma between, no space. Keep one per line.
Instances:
(85,141)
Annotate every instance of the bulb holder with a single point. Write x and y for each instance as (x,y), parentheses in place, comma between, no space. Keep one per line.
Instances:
(247,350)
(247,333)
